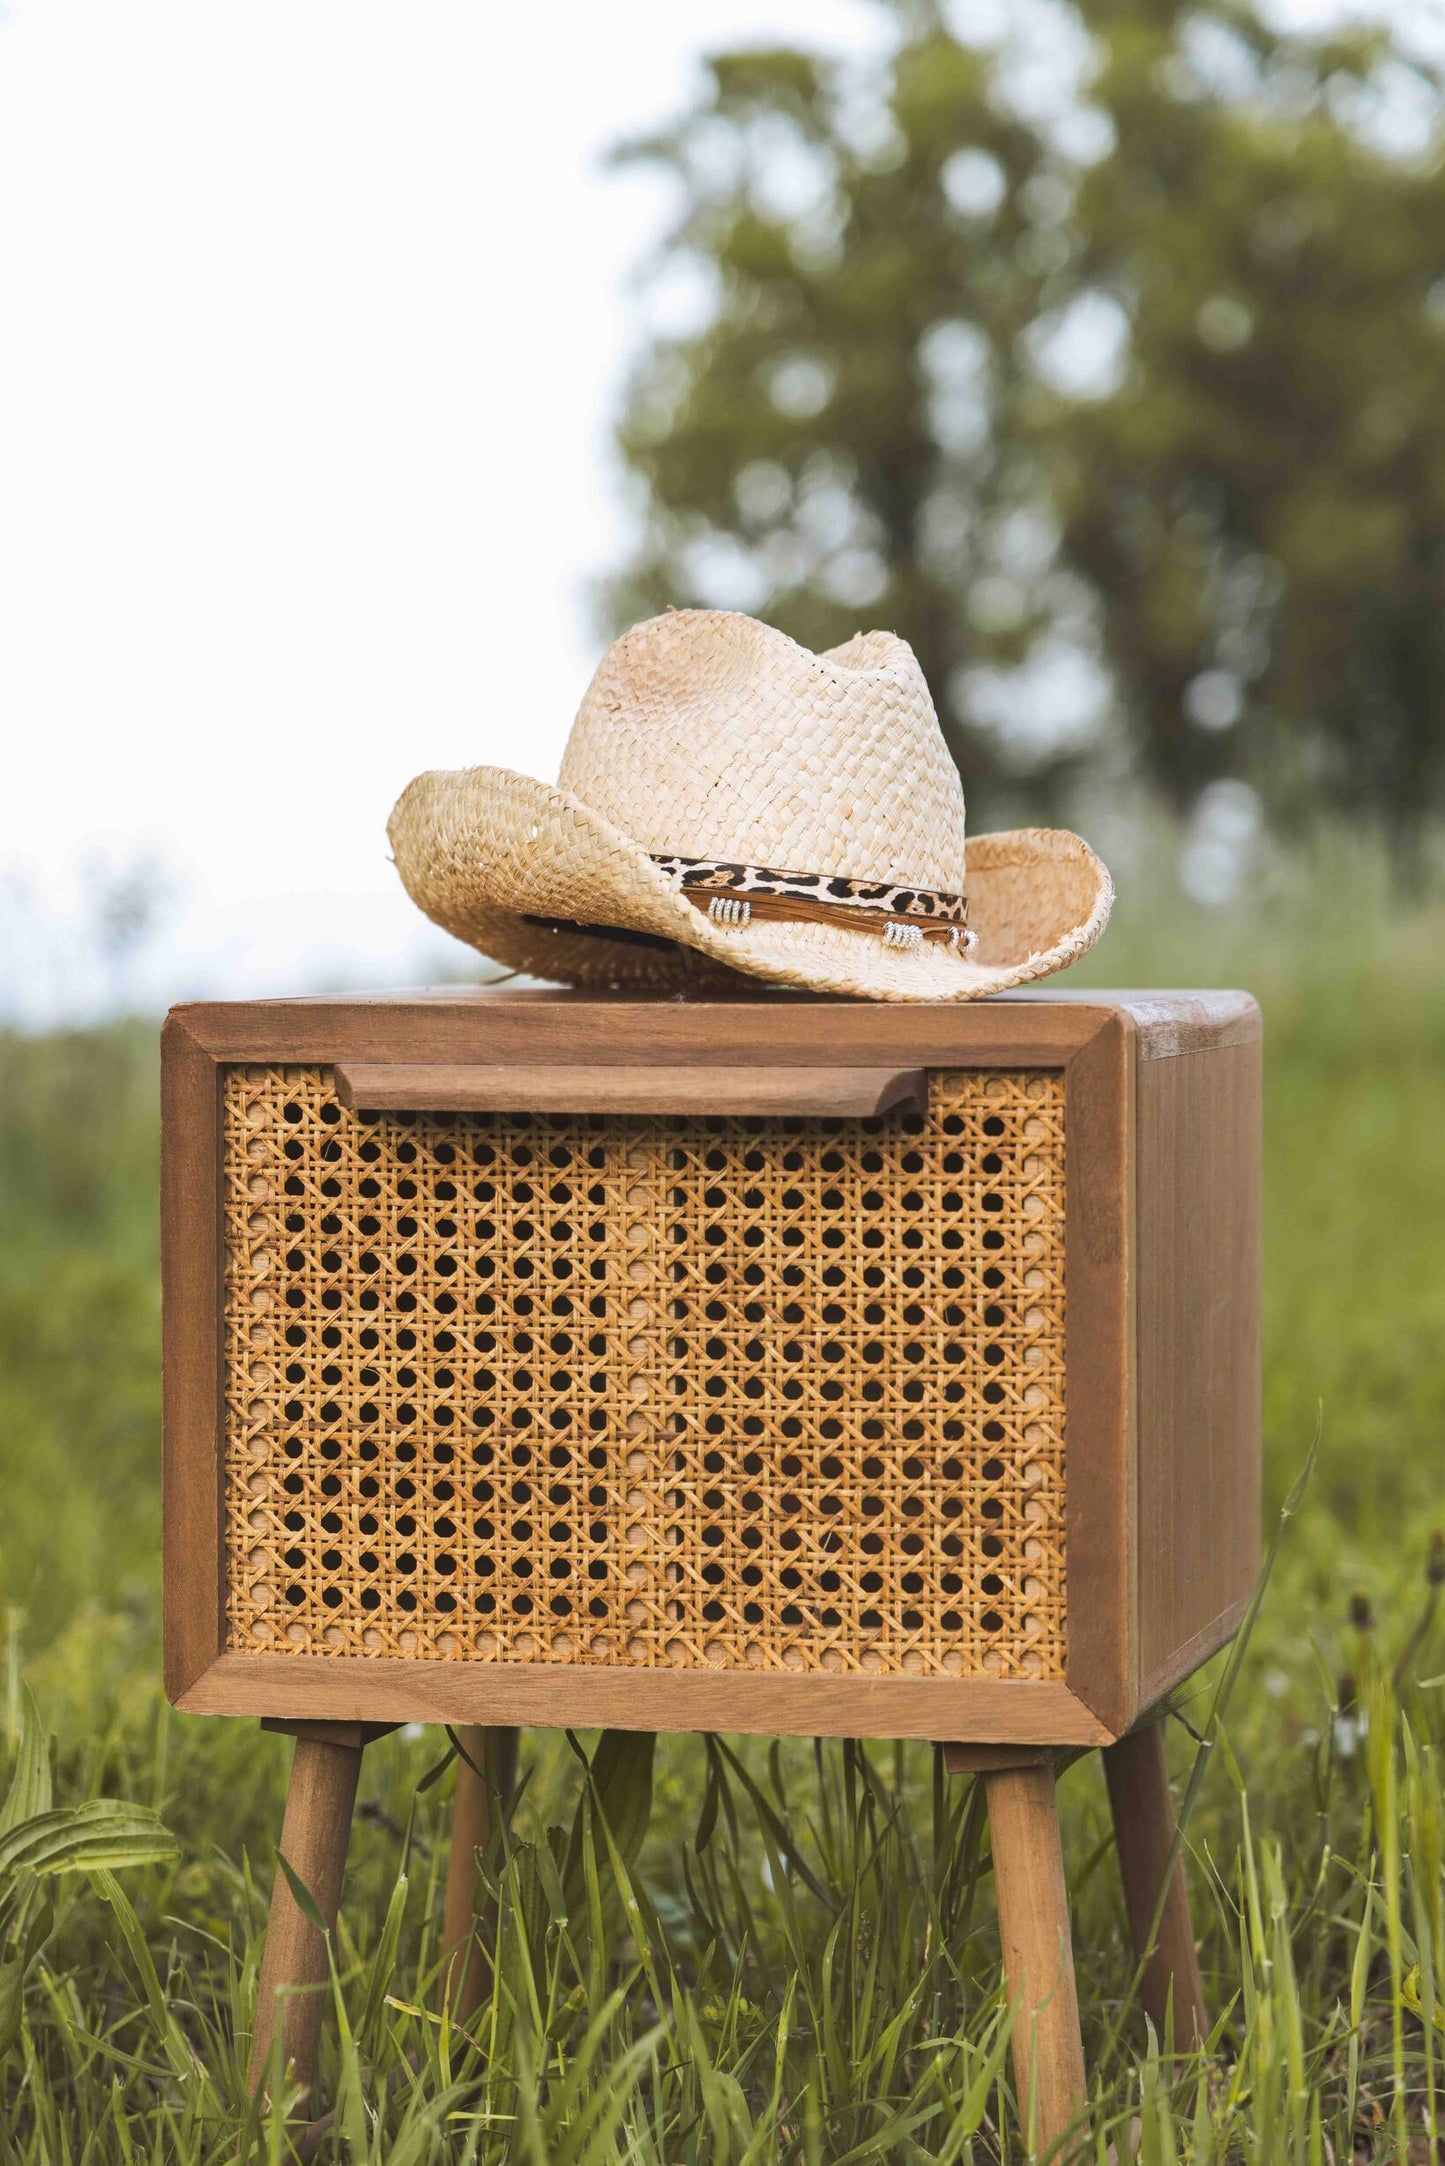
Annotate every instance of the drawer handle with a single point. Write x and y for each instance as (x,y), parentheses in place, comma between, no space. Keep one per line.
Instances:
(394,1087)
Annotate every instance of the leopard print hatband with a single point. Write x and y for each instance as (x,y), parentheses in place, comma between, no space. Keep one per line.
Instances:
(732,894)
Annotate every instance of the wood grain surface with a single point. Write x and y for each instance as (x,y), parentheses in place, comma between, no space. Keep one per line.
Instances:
(649,1087)
(191,1274)
(395,1689)
(1198,1357)
(1038,1956)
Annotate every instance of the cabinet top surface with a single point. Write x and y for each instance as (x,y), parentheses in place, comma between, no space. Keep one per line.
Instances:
(486,1022)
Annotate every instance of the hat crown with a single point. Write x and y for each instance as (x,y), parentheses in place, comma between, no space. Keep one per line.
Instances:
(708,734)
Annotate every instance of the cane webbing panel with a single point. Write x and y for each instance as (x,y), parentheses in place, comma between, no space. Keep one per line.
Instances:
(775,1393)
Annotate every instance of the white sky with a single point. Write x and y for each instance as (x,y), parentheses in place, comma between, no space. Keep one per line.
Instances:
(313,314)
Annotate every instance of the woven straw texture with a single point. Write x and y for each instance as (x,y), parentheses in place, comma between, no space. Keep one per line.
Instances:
(711,735)
(770,1394)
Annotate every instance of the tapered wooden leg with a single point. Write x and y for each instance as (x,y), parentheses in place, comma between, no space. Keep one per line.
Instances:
(468,1936)
(1138,1780)
(1038,1956)
(314,1836)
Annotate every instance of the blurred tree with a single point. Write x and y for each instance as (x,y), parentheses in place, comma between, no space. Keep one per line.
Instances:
(1102,359)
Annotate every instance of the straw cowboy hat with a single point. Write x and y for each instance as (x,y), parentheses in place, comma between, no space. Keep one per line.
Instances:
(730,803)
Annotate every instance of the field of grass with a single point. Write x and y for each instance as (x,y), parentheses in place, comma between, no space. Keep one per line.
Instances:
(793,1957)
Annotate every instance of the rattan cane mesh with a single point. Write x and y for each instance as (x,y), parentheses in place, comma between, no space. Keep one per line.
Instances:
(783,1394)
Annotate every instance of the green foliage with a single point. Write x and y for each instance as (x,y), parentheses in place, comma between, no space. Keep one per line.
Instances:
(79,1319)
(883,419)
(830,1997)
(38,1842)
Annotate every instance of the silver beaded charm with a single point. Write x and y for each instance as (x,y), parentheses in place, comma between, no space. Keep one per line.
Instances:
(732,910)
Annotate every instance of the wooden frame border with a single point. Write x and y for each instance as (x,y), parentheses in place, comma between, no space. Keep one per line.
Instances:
(1093,1043)
(192,1427)
(1100,1414)
(557,1695)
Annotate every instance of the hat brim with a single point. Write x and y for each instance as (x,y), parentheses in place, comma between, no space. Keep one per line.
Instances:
(486,853)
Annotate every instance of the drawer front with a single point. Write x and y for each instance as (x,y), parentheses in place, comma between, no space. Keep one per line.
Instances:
(770,1394)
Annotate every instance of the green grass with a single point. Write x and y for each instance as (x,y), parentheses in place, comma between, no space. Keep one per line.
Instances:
(798,1962)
